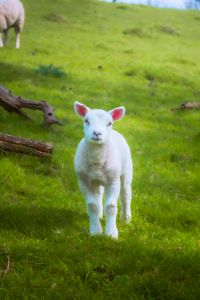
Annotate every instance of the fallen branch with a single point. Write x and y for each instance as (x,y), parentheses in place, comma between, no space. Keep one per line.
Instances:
(15,104)
(27,146)
(4,272)
(188,105)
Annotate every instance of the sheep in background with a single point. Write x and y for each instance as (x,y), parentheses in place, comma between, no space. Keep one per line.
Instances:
(11,15)
(103,163)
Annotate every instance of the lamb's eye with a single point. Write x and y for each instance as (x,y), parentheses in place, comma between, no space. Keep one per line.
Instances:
(109,124)
(87,122)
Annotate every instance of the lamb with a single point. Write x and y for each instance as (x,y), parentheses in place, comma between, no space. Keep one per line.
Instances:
(11,15)
(103,164)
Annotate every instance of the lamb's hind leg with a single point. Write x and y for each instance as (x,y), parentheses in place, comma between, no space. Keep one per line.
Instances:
(17,39)
(1,40)
(18,28)
(93,198)
(125,195)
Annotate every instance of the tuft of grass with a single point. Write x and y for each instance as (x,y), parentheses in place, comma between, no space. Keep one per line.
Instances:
(55,17)
(122,7)
(130,72)
(50,70)
(169,30)
(137,31)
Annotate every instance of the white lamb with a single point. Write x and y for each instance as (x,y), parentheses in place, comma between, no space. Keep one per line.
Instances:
(11,15)
(103,163)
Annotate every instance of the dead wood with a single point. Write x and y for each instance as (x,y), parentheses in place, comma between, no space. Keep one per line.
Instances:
(13,103)
(27,146)
(188,105)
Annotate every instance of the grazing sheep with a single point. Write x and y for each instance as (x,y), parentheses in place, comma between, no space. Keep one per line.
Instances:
(103,163)
(11,15)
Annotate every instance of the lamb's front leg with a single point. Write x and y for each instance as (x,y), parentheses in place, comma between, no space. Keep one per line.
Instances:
(112,193)
(93,198)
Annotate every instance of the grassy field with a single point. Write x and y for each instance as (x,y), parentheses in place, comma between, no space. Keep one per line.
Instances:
(104,55)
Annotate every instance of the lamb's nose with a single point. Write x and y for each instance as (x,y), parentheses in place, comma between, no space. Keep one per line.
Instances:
(96,133)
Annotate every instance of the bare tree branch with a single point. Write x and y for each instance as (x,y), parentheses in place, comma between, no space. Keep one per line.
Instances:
(13,103)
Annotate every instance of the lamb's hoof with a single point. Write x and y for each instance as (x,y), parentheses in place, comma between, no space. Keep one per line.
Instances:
(96,231)
(113,233)
(125,218)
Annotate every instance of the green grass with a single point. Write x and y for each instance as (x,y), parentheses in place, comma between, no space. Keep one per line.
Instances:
(146,59)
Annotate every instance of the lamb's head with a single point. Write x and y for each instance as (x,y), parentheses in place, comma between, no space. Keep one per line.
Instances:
(98,122)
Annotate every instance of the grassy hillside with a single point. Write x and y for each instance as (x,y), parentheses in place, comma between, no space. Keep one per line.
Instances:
(104,55)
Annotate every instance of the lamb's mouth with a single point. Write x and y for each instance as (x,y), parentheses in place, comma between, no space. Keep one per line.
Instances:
(96,139)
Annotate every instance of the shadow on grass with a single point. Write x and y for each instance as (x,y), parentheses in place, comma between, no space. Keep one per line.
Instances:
(35,76)
(15,72)
(37,221)
(130,267)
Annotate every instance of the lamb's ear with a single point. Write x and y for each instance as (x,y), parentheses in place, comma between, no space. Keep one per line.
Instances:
(80,109)
(117,113)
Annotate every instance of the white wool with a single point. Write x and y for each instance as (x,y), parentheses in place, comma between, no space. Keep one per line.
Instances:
(11,15)
(103,164)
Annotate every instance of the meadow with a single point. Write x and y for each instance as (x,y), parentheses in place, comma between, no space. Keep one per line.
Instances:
(103,55)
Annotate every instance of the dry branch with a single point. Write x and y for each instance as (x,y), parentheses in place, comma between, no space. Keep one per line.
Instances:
(15,104)
(188,105)
(27,146)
